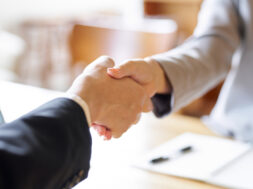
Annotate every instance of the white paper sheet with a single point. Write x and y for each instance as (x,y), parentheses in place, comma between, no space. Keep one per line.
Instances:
(237,175)
(209,156)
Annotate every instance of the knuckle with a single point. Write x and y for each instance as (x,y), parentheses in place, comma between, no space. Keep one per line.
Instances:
(128,61)
(106,58)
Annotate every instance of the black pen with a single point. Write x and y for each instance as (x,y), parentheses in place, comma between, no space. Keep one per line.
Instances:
(181,151)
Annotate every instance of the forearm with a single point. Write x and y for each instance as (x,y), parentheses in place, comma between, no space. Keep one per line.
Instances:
(204,60)
(45,148)
(195,68)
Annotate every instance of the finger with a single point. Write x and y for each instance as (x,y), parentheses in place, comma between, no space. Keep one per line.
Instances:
(117,73)
(126,69)
(101,130)
(148,105)
(137,70)
(104,132)
(108,135)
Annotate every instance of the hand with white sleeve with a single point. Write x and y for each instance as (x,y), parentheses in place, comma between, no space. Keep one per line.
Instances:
(114,105)
(147,72)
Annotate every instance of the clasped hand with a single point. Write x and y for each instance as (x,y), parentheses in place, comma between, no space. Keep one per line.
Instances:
(117,96)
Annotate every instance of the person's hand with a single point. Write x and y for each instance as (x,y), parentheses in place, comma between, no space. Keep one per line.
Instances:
(146,72)
(114,104)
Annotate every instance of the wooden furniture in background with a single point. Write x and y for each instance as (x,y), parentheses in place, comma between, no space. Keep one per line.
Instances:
(120,40)
(46,60)
(203,105)
(184,12)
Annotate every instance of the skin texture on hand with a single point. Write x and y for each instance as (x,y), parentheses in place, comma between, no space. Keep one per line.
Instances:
(114,104)
(146,72)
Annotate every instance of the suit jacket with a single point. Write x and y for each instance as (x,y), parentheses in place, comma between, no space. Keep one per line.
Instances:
(48,148)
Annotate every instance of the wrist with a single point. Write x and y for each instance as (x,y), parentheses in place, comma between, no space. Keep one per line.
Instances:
(82,89)
(160,79)
(82,103)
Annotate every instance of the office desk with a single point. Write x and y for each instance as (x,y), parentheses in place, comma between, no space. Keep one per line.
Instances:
(111,160)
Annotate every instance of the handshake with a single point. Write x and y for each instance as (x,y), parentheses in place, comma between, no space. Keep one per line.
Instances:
(117,95)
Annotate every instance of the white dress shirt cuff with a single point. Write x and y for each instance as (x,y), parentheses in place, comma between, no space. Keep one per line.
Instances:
(82,103)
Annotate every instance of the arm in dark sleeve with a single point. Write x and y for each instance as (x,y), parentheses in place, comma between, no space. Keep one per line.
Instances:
(49,147)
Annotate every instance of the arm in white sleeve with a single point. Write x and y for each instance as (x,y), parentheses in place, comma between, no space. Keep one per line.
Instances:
(204,60)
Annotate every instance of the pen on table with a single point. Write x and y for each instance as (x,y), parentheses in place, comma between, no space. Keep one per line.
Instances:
(181,151)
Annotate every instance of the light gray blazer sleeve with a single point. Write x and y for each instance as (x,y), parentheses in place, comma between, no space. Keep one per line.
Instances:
(204,60)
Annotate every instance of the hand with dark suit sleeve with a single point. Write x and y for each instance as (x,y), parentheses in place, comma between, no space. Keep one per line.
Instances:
(114,104)
(50,147)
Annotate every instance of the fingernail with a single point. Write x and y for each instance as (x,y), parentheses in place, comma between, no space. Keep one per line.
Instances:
(108,135)
(110,68)
(114,71)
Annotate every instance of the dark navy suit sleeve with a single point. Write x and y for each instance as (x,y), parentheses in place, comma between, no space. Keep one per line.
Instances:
(162,104)
(48,148)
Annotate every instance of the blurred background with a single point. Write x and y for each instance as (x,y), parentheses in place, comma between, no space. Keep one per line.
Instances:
(46,43)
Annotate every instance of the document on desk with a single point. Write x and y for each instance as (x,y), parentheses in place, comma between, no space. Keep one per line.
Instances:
(214,160)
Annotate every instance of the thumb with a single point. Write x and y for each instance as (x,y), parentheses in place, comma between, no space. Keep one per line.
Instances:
(121,71)
(136,69)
